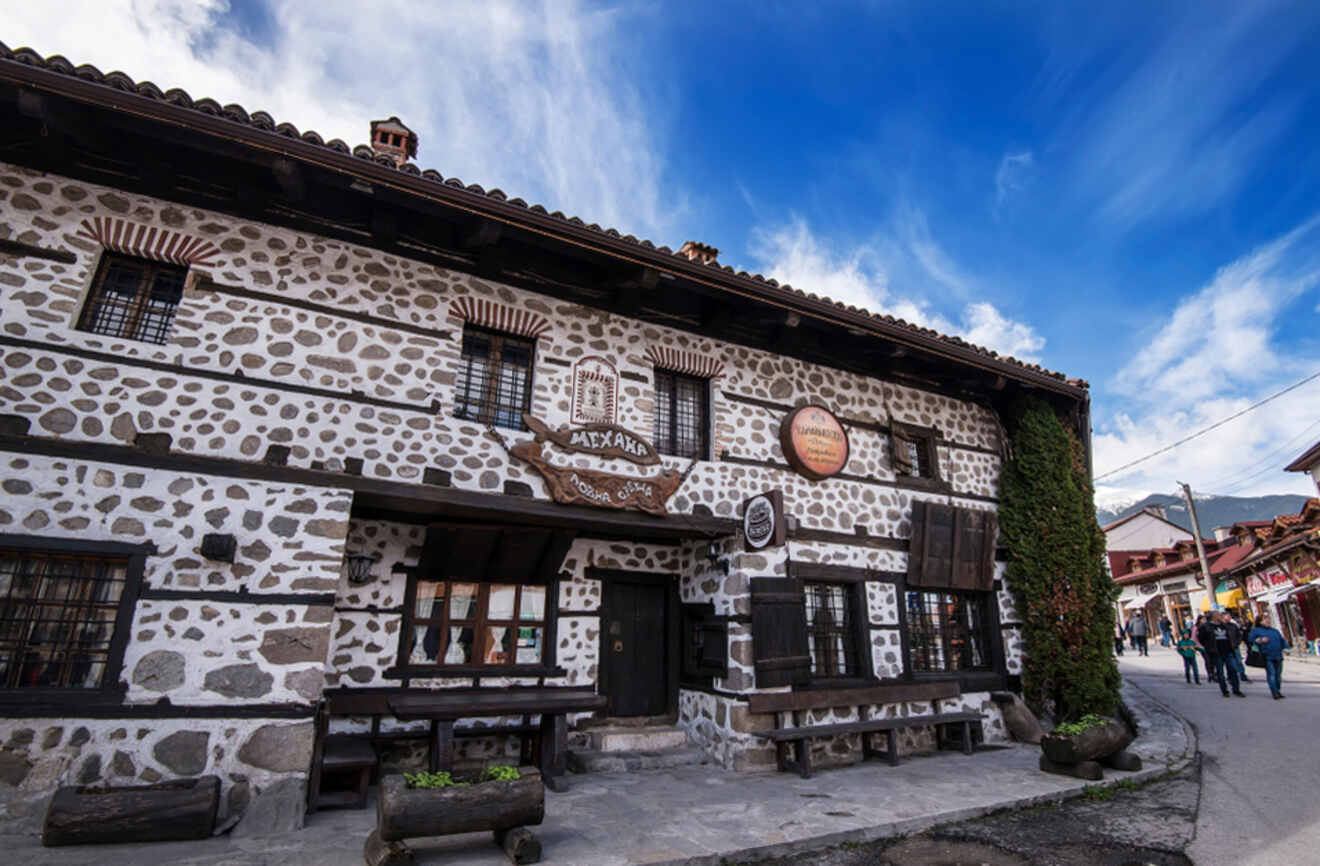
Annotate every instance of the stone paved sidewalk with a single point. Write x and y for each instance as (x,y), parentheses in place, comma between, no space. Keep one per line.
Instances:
(694,815)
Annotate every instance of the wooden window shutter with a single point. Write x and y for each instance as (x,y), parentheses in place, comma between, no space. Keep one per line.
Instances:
(714,658)
(902,456)
(969,542)
(779,632)
(930,549)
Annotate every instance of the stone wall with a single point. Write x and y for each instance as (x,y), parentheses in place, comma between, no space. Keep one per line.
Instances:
(348,357)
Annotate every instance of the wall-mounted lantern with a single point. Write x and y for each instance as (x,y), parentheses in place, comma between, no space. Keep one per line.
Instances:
(359,567)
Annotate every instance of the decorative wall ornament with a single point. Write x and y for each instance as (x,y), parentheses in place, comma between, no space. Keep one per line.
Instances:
(814,442)
(572,485)
(499,317)
(688,363)
(149,242)
(595,391)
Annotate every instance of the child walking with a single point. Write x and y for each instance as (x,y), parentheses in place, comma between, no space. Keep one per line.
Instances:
(1187,649)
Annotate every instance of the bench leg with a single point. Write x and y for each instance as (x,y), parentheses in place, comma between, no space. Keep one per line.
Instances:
(868,752)
(891,743)
(967,738)
(803,749)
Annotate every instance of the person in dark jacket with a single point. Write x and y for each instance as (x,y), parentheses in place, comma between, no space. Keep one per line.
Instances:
(1139,630)
(1235,638)
(1214,636)
(1271,643)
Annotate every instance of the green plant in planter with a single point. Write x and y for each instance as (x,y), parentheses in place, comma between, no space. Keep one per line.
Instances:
(1085,723)
(443,779)
(502,773)
(1056,568)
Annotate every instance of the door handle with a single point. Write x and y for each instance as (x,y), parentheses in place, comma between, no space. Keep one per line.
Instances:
(618,646)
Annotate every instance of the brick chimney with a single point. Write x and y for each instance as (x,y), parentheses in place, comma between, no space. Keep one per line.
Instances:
(393,139)
(699,253)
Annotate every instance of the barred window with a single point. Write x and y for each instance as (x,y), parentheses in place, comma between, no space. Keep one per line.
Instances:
(682,415)
(58,618)
(133,298)
(495,382)
(948,631)
(485,624)
(831,634)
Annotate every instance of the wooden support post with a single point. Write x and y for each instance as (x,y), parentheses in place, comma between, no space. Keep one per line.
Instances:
(442,745)
(891,742)
(520,844)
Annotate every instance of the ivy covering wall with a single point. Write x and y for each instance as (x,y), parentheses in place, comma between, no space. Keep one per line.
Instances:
(1056,569)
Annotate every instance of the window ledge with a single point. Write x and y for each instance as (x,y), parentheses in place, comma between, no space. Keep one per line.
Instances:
(399,672)
(915,483)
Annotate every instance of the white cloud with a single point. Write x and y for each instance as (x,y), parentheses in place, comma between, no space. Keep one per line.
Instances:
(1221,337)
(502,93)
(1218,353)
(861,276)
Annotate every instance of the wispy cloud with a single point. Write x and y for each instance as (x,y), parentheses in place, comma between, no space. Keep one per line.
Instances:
(1222,336)
(1185,126)
(1218,353)
(1012,176)
(502,93)
(861,275)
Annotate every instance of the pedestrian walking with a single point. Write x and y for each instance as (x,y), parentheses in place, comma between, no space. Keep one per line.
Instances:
(1118,639)
(1187,649)
(1236,635)
(1214,637)
(1139,631)
(1166,631)
(1270,642)
(1201,647)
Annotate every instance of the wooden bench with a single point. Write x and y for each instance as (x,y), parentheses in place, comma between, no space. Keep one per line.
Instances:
(540,744)
(791,706)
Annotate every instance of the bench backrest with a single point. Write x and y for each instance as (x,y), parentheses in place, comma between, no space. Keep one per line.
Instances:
(817,699)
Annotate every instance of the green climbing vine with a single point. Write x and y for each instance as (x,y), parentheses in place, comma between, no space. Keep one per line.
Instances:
(1056,569)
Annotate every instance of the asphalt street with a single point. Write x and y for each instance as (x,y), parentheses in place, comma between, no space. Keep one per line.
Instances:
(1260,768)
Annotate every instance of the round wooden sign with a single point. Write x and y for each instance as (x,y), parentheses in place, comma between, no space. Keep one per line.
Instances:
(814,442)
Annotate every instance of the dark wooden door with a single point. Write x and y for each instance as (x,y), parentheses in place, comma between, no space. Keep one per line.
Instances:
(634,633)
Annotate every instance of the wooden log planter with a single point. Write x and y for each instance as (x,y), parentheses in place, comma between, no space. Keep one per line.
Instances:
(1085,754)
(505,808)
(166,812)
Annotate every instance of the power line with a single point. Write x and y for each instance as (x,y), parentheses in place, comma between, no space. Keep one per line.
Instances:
(1238,479)
(1205,430)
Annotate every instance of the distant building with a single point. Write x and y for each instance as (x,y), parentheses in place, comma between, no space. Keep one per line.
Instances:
(1144,530)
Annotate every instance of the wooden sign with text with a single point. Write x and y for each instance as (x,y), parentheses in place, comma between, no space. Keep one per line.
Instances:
(814,442)
(573,485)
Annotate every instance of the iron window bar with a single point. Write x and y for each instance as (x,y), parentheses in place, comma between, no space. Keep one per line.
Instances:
(133,298)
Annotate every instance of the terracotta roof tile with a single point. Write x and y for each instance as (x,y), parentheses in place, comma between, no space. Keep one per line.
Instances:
(263,121)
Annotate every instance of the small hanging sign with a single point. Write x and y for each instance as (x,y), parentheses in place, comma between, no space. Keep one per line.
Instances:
(763,521)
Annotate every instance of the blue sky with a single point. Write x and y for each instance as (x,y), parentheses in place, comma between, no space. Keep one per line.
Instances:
(1128,193)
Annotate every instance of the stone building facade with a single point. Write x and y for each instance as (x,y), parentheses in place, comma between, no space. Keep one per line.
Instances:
(302,400)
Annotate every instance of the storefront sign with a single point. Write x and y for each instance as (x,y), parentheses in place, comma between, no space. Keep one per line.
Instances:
(1256,584)
(1305,567)
(763,521)
(573,485)
(814,442)
(605,440)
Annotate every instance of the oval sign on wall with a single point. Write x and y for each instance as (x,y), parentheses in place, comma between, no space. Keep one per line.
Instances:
(814,442)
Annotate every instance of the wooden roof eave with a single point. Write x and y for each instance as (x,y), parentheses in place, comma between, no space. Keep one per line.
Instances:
(359,169)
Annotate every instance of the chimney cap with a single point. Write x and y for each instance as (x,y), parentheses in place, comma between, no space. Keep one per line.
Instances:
(699,252)
(394,125)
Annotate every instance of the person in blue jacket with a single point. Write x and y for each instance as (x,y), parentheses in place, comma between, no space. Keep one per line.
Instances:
(1271,644)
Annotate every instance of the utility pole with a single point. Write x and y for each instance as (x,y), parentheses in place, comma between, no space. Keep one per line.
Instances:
(1200,548)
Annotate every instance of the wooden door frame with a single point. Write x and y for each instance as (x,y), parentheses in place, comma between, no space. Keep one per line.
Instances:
(673,611)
